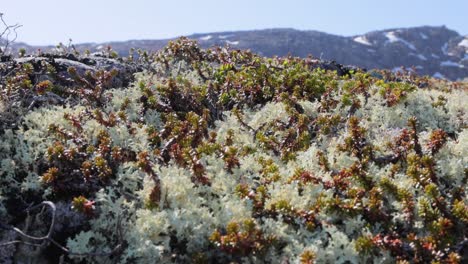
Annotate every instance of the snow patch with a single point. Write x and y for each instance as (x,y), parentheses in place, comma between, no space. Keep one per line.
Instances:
(363,40)
(205,38)
(438,75)
(435,56)
(463,43)
(451,64)
(423,36)
(444,48)
(419,67)
(225,36)
(393,38)
(420,56)
(100,47)
(371,50)
(232,42)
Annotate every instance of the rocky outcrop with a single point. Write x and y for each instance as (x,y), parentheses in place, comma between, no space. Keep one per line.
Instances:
(54,79)
(82,64)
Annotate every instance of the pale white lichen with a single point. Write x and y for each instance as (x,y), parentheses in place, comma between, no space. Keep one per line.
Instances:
(187,212)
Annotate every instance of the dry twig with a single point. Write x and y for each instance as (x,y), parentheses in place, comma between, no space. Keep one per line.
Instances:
(48,237)
(7,31)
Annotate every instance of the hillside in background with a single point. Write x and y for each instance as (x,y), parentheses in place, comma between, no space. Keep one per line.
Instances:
(434,51)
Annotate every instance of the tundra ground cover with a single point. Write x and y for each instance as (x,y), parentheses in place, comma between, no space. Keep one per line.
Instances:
(218,156)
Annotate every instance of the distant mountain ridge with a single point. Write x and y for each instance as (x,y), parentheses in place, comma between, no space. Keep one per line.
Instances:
(434,51)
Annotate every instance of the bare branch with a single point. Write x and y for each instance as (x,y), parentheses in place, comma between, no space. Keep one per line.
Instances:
(51,228)
(7,31)
(48,238)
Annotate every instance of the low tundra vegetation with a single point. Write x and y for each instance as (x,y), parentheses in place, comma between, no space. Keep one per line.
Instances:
(219,156)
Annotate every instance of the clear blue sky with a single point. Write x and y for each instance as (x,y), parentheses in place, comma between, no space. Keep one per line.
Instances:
(53,21)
